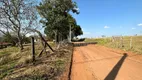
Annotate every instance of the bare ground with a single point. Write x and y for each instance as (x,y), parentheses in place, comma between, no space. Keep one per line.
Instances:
(93,62)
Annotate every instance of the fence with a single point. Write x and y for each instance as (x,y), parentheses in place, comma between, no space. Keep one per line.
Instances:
(130,43)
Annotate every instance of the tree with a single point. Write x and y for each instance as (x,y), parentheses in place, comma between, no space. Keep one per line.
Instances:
(77,31)
(69,21)
(17,15)
(55,14)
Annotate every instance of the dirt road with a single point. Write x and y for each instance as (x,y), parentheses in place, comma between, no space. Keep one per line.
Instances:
(93,62)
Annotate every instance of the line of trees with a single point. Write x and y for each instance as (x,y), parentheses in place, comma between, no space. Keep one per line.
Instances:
(20,17)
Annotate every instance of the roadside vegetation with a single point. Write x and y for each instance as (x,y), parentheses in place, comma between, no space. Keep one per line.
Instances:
(128,43)
(19,18)
(15,66)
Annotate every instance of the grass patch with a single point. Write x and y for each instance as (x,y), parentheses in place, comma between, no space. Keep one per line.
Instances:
(6,69)
(101,41)
(7,51)
(15,65)
(136,43)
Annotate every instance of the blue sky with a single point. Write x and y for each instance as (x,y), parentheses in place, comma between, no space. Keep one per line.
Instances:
(109,17)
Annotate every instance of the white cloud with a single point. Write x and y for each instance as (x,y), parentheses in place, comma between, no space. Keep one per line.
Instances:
(106,27)
(140,24)
(133,28)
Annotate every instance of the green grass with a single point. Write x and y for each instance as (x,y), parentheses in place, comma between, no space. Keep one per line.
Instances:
(7,51)
(101,41)
(7,69)
(136,43)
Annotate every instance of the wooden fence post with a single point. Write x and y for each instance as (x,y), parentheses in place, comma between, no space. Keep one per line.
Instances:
(131,43)
(33,49)
(122,41)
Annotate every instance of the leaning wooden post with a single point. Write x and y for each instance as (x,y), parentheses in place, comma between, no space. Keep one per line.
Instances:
(33,49)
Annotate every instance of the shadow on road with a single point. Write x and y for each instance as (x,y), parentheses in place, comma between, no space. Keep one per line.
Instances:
(113,73)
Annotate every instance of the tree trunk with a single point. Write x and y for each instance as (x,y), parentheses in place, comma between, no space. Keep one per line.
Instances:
(56,37)
(20,42)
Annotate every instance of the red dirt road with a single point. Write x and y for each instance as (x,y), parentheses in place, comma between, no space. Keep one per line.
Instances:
(93,62)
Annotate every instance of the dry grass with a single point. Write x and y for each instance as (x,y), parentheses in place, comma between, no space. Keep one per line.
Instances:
(136,43)
(15,65)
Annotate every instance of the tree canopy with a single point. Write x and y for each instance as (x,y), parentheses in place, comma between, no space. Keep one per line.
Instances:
(57,19)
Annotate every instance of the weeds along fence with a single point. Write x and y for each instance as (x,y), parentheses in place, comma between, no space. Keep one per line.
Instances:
(120,41)
(44,45)
(132,43)
(117,41)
